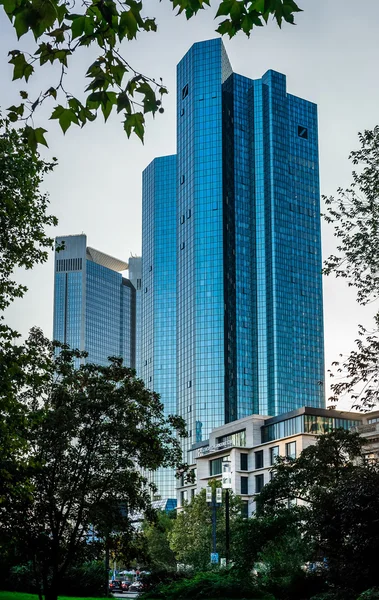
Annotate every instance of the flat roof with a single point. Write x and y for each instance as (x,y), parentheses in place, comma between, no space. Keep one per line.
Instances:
(321,412)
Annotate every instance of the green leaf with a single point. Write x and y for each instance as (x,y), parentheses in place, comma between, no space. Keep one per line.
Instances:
(31,138)
(65,116)
(21,67)
(21,23)
(9,6)
(128,26)
(77,27)
(94,100)
(224,8)
(258,5)
(52,92)
(40,137)
(123,102)
(135,122)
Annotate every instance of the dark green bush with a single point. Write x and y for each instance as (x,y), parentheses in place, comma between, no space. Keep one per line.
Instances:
(204,586)
(372,594)
(87,579)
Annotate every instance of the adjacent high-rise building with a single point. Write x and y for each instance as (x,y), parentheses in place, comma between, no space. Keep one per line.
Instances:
(94,305)
(231,265)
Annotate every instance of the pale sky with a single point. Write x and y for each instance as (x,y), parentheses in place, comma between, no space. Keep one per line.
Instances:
(330,57)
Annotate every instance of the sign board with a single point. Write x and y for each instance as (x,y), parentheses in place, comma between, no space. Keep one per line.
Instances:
(222,562)
(226,475)
(208,492)
(218,496)
(214,558)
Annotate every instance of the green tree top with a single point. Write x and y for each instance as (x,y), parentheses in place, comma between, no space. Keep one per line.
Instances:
(62,28)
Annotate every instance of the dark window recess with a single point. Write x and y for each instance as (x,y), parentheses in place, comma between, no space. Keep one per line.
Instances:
(182,219)
(69,264)
(145,290)
(182,179)
(243,463)
(274,452)
(189,213)
(151,268)
(244,485)
(258,459)
(215,466)
(259,483)
(244,510)
(138,284)
(182,112)
(182,245)
(185,91)
(302,132)
(189,383)
(291,450)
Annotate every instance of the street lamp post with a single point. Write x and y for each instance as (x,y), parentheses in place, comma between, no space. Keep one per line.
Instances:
(226,485)
(214,501)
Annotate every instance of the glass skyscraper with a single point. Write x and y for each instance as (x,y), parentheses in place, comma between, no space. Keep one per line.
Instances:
(94,305)
(231,265)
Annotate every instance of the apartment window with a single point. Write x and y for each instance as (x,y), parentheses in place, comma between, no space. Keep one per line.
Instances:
(259,483)
(274,453)
(215,466)
(183,498)
(243,462)
(258,459)
(291,450)
(244,485)
(245,510)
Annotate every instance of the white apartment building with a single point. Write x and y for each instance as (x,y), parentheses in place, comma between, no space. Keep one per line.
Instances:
(252,444)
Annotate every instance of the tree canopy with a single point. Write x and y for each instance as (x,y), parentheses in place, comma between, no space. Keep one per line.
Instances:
(335,494)
(23,209)
(191,535)
(62,29)
(354,214)
(89,435)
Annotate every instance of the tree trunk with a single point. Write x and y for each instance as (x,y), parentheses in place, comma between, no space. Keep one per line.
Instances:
(52,590)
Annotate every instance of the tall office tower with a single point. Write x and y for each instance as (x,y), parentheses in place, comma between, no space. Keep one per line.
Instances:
(249,322)
(158,353)
(94,305)
(135,278)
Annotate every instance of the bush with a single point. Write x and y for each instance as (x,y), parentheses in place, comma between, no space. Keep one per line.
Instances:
(372,594)
(204,586)
(87,579)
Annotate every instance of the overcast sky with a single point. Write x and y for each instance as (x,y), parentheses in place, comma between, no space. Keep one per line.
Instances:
(330,57)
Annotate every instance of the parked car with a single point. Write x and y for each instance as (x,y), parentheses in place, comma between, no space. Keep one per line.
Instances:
(115,586)
(125,585)
(137,586)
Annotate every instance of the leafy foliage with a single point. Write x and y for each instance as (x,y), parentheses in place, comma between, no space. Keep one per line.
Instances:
(355,217)
(191,535)
(23,209)
(156,532)
(340,500)
(87,433)
(61,29)
(221,585)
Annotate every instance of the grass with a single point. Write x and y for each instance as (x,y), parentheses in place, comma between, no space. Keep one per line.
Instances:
(22,596)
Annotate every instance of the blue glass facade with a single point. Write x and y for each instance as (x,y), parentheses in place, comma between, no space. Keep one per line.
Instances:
(159,259)
(249,326)
(94,306)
